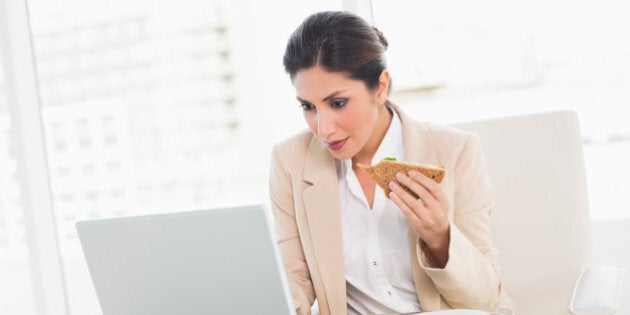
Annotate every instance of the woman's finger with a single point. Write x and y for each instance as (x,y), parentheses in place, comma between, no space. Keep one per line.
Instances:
(408,199)
(429,184)
(413,218)
(417,188)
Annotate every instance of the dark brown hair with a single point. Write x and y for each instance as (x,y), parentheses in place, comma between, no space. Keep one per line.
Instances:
(337,41)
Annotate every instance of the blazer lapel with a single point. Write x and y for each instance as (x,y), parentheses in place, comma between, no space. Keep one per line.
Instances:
(418,147)
(323,211)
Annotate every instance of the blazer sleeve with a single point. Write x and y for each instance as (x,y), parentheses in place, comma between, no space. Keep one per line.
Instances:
(288,237)
(471,277)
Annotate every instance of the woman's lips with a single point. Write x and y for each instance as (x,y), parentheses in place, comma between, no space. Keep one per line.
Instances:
(337,145)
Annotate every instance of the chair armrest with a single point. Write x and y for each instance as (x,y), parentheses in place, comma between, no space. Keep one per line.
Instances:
(597,291)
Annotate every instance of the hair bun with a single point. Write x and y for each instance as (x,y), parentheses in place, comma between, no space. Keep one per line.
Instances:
(381,37)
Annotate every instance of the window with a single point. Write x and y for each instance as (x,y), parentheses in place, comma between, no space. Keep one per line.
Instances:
(16,285)
(139,107)
(457,60)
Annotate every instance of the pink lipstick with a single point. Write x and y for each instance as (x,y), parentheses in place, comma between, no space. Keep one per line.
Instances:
(337,145)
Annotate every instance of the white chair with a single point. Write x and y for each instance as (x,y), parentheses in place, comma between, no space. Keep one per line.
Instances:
(541,221)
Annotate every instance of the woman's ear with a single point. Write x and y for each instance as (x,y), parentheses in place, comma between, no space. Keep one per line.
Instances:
(383,87)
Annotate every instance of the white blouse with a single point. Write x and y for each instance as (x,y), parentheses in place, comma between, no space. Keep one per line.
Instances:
(376,250)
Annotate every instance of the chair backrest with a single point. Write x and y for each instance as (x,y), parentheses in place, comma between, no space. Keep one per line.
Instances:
(541,222)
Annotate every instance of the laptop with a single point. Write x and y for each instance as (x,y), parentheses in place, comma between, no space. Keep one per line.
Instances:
(221,261)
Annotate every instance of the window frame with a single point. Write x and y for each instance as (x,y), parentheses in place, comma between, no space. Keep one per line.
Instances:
(46,271)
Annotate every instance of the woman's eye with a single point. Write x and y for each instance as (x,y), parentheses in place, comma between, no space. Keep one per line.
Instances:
(307,106)
(339,103)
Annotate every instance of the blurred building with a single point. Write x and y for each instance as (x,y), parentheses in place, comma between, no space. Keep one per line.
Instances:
(138,112)
(12,232)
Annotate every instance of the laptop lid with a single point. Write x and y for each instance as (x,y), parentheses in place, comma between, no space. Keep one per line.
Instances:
(222,261)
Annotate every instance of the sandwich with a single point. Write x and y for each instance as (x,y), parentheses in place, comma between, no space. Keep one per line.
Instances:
(385,171)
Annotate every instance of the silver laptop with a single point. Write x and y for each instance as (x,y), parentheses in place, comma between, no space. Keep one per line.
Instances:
(222,261)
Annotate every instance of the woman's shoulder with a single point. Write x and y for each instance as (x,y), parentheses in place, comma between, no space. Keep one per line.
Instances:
(447,142)
(450,142)
(439,134)
(296,144)
(300,139)
(447,133)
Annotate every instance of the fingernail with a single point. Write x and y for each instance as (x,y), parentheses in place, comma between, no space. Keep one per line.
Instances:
(413,173)
(393,185)
(400,176)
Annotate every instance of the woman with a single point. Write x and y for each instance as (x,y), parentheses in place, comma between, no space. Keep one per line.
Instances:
(342,241)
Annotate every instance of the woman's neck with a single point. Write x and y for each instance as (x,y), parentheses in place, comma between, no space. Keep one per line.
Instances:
(383,121)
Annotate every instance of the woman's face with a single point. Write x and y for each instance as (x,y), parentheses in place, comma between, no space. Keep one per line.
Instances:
(342,112)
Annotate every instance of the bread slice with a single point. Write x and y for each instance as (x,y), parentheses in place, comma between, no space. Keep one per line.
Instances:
(385,171)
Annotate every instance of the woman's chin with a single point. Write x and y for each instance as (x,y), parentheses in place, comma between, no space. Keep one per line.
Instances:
(341,154)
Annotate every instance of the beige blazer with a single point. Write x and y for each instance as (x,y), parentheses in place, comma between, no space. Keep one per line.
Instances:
(305,202)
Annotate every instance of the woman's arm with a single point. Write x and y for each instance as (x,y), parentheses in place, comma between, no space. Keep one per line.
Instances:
(458,255)
(471,277)
(282,204)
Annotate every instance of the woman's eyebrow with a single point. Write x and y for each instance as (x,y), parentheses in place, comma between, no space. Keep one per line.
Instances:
(301,100)
(325,99)
(333,94)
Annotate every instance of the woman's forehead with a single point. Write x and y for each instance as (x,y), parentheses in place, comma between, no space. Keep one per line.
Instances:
(318,82)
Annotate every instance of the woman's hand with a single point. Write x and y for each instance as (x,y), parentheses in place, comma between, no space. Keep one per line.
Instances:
(427,215)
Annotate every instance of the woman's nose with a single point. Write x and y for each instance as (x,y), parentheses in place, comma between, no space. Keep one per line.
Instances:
(325,124)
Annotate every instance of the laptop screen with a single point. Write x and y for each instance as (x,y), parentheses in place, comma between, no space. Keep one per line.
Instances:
(222,261)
